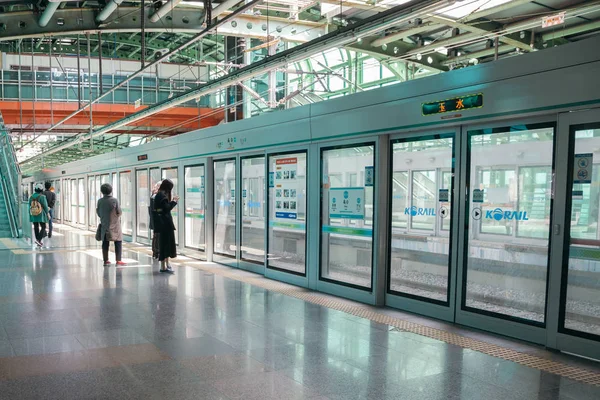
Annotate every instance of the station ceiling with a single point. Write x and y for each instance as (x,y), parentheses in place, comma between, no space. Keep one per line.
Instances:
(455,35)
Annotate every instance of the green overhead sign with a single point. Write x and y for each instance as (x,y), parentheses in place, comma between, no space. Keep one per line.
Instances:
(452,105)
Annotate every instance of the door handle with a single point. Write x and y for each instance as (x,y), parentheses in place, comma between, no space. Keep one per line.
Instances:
(556,229)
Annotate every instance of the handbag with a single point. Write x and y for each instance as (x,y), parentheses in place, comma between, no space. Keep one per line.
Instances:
(99,233)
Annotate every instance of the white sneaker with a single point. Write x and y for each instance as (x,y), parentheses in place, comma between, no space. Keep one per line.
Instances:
(39,243)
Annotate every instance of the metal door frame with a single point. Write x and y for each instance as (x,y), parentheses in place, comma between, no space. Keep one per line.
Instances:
(307,279)
(507,326)
(421,305)
(558,337)
(372,295)
(196,162)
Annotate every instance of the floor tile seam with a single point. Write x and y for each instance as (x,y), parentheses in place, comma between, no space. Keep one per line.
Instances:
(434,333)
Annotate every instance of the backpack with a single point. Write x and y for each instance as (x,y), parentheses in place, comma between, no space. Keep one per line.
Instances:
(35,208)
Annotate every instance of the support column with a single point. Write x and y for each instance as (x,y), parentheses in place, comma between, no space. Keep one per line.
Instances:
(234,54)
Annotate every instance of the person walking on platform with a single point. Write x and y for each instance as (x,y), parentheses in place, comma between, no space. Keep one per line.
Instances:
(51,198)
(155,234)
(38,213)
(109,211)
(164,202)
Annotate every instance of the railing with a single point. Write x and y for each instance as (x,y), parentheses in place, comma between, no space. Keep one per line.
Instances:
(14,228)
(11,175)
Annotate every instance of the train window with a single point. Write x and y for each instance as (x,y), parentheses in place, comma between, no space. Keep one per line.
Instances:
(126,202)
(509,174)
(224,228)
(420,256)
(194,203)
(253,217)
(171,173)
(143,202)
(287,212)
(346,239)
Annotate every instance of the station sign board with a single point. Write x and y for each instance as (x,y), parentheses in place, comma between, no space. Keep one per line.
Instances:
(453,105)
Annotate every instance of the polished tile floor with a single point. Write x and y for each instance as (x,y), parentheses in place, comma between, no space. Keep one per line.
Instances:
(73,329)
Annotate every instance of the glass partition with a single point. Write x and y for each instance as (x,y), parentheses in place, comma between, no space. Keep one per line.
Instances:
(92,188)
(509,176)
(171,173)
(74,201)
(421,216)
(126,202)
(224,203)
(194,203)
(346,240)
(81,201)
(581,307)
(253,213)
(287,212)
(143,203)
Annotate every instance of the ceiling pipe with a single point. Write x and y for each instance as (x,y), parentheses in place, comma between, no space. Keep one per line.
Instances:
(574,30)
(344,36)
(49,11)
(164,10)
(107,10)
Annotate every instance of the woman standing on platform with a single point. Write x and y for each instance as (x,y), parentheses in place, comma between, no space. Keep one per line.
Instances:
(109,211)
(38,213)
(164,202)
(155,234)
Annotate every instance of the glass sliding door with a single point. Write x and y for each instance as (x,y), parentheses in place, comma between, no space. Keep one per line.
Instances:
(421,200)
(287,212)
(81,201)
(58,205)
(580,308)
(509,175)
(171,173)
(224,203)
(74,201)
(126,202)
(194,203)
(253,213)
(92,187)
(346,238)
(143,203)
(155,177)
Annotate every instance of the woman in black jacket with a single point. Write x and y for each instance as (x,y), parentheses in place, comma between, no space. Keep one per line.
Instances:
(163,224)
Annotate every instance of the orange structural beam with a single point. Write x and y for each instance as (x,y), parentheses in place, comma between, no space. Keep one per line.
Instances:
(46,113)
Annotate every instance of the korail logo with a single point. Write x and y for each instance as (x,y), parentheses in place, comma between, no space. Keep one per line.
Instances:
(414,211)
(498,214)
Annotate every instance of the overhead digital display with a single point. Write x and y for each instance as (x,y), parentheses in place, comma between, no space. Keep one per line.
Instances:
(452,105)
(142,157)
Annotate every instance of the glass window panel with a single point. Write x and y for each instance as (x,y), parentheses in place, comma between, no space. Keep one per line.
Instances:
(507,270)
(171,173)
(81,201)
(143,203)
(74,201)
(57,208)
(424,186)
(287,226)
(224,229)
(346,240)
(195,207)
(420,256)
(92,201)
(126,202)
(583,295)
(253,215)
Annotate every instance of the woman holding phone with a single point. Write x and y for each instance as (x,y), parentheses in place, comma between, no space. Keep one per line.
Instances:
(164,202)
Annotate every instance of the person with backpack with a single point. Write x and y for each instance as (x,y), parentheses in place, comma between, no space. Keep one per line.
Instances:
(51,198)
(38,213)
